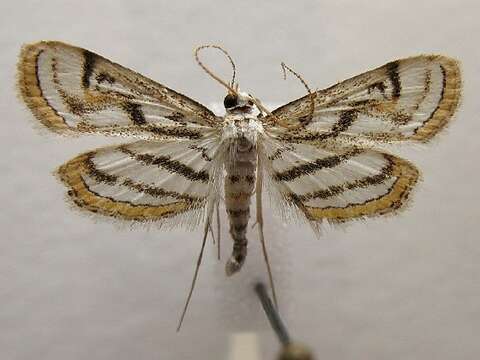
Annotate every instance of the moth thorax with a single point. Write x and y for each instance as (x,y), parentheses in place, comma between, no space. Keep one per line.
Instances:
(247,131)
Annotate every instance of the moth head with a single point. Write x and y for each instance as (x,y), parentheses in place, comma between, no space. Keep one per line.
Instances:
(238,102)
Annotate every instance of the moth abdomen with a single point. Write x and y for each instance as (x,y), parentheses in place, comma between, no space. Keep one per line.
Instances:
(239,187)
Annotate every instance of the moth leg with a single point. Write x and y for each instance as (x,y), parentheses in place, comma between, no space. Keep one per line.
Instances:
(259,222)
(194,280)
(218,230)
(210,228)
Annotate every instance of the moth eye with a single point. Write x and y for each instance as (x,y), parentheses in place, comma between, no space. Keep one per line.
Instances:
(230,101)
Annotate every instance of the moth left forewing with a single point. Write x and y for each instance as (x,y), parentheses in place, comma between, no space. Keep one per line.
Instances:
(337,184)
(72,91)
(408,99)
(145,181)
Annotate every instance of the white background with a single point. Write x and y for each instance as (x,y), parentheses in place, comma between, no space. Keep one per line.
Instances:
(405,287)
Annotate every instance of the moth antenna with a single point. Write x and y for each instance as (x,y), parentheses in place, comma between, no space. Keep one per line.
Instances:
(260,106)
(263,109)
(194,280)
(313,95)
(259,216)
(231,87)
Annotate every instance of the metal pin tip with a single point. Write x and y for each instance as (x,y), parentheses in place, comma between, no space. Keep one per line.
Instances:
(259,286)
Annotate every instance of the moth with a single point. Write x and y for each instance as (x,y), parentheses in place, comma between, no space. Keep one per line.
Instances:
(317,157)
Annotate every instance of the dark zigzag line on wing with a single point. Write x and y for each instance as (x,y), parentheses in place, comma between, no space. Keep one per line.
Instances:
(134,112)
(426,88)
(95,208)
(345,120)
(392,72)
(336,190)
(111,179)
(174,131)
(39,87)
(159,192)
(313,166)
(442,94)
(393,205)
(166,163)
(396,204)
(277,154)
(88,66)
(202,150)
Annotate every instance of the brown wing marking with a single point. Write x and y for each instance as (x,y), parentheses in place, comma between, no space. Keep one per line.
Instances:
(71,174)
(451,93)
(406,177)
(31,92)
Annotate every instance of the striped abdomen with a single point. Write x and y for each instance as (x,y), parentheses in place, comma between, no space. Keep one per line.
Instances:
(239,187)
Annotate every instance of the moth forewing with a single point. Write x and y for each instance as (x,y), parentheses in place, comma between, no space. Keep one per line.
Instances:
(408,99)
(73,90)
